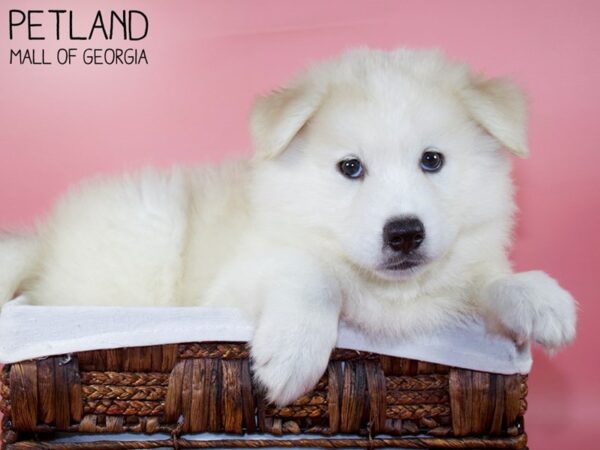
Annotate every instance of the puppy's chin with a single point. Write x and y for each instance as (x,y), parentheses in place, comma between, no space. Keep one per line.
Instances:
(401,269)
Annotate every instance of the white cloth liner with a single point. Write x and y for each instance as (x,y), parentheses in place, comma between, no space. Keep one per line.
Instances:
(28,332)
(131,437)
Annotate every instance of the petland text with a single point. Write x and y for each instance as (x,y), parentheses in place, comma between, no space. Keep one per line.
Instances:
(63,25)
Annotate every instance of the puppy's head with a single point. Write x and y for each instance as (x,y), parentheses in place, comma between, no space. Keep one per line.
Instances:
(391,157)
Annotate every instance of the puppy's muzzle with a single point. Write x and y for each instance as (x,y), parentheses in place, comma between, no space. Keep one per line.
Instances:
(404,235)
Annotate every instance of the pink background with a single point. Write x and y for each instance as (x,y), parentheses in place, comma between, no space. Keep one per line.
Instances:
(208,59)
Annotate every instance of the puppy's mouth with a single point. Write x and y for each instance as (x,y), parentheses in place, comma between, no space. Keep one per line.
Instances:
(402,265)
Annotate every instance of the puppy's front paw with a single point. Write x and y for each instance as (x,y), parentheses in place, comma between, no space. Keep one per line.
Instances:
(289,358)
(531,305)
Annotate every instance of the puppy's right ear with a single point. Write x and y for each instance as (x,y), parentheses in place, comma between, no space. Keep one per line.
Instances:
(501,109)
(276,118)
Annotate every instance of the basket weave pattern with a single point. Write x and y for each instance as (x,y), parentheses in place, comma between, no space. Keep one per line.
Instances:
(378,401)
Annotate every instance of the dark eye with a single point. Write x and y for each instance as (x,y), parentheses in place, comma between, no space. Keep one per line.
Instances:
(432,161)
(351,168)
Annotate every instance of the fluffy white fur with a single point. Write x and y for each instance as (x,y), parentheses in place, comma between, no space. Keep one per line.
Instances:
(286,237)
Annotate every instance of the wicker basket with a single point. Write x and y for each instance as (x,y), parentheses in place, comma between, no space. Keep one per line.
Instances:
(166,393)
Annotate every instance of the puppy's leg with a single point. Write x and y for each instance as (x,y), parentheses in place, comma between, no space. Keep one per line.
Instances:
(531,305)
(295,304)
(296,329)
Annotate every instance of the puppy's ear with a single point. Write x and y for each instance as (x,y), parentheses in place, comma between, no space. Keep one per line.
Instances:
(279,116)
(500,108)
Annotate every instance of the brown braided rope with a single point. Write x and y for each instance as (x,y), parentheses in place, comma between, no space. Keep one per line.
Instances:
(342,354)
(524,387)
(416,382)
(214,350)
(311,399)
(433,396)
(416,411)
(4,392)
(524,392)
(322,384)
(7,435)
(298,411)
(523,407)
(98,392)
(124,408)
(226,351)
(125,378)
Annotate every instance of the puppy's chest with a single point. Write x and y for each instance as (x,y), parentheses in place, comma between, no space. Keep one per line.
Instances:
(367,304)
(396,312)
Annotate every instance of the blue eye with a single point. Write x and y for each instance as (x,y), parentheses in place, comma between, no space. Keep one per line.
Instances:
(351,168)
(432,161)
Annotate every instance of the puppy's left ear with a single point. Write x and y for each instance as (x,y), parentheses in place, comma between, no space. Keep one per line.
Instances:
(279,116)
(501,109)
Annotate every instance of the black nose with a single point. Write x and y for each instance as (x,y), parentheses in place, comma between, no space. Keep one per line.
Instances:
(404,235)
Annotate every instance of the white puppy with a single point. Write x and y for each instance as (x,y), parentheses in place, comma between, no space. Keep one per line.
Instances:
(379,192)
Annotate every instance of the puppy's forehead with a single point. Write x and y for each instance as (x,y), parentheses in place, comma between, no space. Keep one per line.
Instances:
(391,109)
